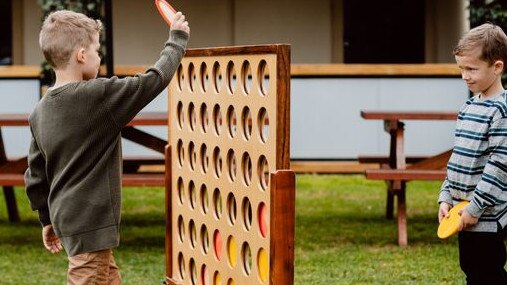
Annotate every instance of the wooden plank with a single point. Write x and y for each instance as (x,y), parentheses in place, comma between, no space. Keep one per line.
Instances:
(14,166)
(382,159)
(234,50)
(20,71)
(331,167)
(282,227)
(10,198)
(326,70)
(17,119)
(141,119)
(168,220)
(402,216)
(409,115)
(142,164)
(283,106)
(141,180)
(405,174)
(317,70)
(438,161)
(143,138)
(150,119)
(10,179)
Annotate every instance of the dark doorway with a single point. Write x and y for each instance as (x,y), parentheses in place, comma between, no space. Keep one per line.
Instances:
(388,31)
(6,34)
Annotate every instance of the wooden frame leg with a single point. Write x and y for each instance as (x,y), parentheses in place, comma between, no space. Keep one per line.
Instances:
(402,217)
(390,201)
(10,202)
(393,187)
(10,199)
(282,226)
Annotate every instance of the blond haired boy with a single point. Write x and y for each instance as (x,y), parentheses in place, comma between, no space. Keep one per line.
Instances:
(477,169)
(74,173)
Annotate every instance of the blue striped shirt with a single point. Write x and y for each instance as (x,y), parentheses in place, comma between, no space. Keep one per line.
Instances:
(477,169)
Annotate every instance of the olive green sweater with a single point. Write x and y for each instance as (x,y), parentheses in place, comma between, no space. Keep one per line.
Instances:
(74,169)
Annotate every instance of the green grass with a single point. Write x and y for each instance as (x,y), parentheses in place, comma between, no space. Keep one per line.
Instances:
(342,237)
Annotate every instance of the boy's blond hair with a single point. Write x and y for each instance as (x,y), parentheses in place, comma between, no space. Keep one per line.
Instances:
(490,37)
(63,32)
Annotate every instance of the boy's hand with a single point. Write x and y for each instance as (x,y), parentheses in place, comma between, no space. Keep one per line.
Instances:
(50,240)
(467,220)
(179,23)
(443,211)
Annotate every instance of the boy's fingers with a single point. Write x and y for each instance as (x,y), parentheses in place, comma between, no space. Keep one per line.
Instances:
(179,17)
(55,248)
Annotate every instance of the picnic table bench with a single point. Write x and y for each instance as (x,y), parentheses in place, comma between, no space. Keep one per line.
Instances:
(398,168)
(12,170)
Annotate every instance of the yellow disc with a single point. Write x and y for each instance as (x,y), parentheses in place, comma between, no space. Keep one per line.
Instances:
(231,251)
(218,279)
(450,224)
(263,264)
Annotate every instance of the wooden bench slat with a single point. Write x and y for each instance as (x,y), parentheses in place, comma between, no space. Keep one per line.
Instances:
(382,159)
(143,180)
(405,174)
(330,167)
(409,115)
(9,179)
(436,162)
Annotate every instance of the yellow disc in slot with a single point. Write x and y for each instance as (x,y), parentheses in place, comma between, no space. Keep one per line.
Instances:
(263,264)
(232,251)
(217,280)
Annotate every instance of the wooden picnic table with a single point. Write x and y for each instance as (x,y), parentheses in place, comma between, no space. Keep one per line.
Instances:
(397,171)
(11,171)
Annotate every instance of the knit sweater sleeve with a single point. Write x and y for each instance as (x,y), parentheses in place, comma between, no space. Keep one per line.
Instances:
(492,188)
(445,193)
(36,183)
(125,97)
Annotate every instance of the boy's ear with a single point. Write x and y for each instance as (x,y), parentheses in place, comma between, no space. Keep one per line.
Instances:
(80,55)
(499,66)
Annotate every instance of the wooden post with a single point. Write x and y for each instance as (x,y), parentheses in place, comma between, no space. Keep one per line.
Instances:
(10,199)
(282,228)
(168,214)
(109,38)
(402,216)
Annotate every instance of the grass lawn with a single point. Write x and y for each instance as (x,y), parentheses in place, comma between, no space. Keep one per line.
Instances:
(342,237)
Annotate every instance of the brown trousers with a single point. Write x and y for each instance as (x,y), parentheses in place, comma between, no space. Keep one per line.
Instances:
(97,268)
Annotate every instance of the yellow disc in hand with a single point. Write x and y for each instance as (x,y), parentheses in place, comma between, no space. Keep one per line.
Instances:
(450,224)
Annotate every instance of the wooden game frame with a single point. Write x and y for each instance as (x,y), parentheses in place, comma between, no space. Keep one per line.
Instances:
(190,257)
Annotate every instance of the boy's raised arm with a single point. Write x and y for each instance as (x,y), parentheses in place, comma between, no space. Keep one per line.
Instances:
(127,96)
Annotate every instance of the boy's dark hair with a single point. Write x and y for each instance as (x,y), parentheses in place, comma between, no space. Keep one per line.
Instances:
(490,37)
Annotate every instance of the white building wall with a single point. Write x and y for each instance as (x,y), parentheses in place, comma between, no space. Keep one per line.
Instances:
(311,27)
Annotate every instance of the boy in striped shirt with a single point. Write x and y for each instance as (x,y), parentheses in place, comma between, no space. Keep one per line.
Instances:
(477,169)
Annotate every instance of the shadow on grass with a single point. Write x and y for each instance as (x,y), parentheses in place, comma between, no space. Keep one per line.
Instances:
(371,230)
(139,232)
